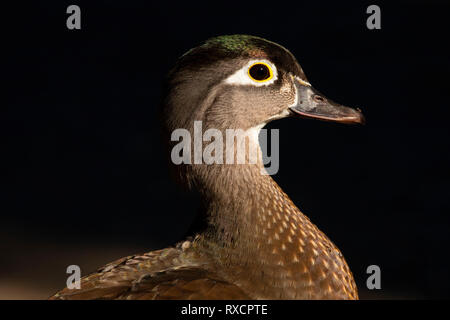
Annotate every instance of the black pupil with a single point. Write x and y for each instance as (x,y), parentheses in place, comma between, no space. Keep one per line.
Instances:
(259,72)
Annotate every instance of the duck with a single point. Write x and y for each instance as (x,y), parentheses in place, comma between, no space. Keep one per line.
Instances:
(250,241)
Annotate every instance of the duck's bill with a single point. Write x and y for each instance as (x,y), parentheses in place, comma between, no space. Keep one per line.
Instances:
(312,104)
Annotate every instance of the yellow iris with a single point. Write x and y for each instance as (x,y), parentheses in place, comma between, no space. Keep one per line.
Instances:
(260,72)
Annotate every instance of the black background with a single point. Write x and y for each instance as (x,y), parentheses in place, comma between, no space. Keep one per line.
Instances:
(84,179)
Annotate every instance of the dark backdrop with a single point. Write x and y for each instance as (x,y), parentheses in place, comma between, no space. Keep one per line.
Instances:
(84,179)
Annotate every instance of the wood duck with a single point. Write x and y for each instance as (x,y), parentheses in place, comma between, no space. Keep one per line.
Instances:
(253,242)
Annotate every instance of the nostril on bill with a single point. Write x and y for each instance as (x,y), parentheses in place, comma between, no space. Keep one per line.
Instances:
(318,98)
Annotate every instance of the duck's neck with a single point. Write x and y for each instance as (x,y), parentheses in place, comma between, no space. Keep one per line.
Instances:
(255,229)
(246,210)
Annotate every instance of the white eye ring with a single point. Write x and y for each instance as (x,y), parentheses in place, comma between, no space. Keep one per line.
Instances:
(242,77)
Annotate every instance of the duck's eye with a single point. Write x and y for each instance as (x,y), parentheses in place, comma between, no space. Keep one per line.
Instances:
(260,72)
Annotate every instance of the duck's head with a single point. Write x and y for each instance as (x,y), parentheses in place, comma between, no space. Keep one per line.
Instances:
(238,82)
(242,81)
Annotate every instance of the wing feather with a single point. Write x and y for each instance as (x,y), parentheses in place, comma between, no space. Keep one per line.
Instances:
(162,274)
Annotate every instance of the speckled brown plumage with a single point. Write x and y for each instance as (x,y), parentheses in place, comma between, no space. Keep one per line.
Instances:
(269,250)
(253,242)
(161,274)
